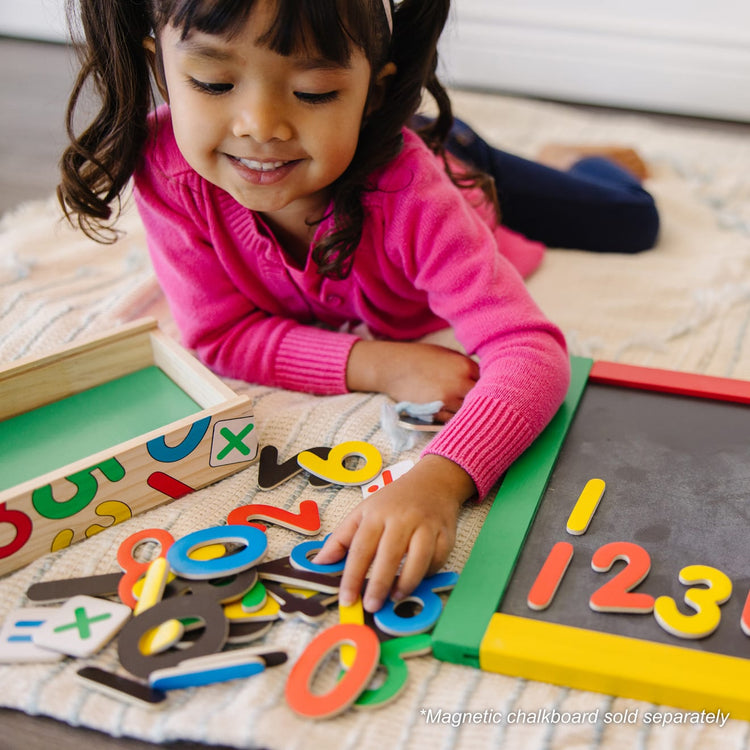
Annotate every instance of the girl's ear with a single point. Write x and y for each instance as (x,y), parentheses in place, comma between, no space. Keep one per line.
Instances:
(156,65)
(380,86)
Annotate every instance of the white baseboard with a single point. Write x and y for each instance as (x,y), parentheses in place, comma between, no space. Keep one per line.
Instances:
(665,68)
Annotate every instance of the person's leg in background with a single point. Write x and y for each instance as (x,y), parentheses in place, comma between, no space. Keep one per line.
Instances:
(594,205)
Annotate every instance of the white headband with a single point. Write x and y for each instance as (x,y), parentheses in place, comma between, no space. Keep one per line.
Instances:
(387,6)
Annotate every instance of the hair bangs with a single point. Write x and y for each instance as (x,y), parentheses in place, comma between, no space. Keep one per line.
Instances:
(223,17)
(310,27)
(319,28)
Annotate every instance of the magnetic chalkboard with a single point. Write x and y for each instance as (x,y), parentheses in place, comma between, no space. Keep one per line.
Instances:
(674,452)
(677,473)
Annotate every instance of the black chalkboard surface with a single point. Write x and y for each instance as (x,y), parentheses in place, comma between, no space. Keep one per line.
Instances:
(673,450)
(677,473)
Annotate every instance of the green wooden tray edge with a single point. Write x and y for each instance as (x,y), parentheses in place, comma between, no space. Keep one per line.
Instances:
(485,577)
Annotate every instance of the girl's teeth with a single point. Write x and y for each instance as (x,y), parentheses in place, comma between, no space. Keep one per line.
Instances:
(260,166)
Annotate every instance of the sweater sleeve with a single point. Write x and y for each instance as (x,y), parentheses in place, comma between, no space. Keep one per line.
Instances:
(451,254)
(232,321)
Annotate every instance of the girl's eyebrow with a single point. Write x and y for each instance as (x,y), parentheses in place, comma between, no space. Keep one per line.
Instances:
(319,63)
(195,48)
(203,50)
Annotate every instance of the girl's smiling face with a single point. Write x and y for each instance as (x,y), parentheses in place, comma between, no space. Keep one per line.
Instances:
(272,131)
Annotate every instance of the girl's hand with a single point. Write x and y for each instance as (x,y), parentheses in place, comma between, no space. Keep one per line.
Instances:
(415,372)
(412,519)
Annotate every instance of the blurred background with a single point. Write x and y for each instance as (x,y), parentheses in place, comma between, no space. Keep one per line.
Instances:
(684,58)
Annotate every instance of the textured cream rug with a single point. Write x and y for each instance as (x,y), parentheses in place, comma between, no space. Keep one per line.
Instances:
(684,305)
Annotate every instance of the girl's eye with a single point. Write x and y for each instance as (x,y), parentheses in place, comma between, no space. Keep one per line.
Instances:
(308,98)
(210,88)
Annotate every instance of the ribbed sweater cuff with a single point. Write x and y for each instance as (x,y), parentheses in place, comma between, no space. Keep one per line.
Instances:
(467,438)
(314,360)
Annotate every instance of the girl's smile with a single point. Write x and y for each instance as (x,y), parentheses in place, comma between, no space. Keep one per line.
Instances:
(259,172)
(274,131)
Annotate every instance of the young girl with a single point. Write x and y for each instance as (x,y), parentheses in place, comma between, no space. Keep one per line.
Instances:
(285,202)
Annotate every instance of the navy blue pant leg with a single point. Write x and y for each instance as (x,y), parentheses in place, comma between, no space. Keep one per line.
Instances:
(596,205)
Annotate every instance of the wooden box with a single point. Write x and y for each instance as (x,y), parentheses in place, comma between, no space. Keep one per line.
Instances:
(100,431)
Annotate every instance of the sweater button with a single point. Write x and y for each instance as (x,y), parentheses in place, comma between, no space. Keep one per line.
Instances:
(334,300)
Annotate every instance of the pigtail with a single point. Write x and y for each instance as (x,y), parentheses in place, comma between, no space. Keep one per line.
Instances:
(417,25)
(412,46)
(99,162)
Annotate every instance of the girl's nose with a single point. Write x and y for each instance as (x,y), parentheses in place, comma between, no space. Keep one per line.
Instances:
(263,119)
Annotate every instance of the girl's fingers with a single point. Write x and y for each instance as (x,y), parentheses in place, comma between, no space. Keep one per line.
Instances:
(332,551)
(338,542)
(361,553)
(390,552)
(419,559)
(440,551)
(443,416)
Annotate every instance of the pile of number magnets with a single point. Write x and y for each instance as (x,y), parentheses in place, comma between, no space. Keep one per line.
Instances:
(183,617)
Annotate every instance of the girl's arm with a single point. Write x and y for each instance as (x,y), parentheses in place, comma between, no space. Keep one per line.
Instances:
(524,372)
(228,311)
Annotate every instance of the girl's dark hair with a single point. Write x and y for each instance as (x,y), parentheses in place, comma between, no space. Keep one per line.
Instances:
(99,162)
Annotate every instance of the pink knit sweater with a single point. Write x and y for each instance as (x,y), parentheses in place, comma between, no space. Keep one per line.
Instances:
(430,256)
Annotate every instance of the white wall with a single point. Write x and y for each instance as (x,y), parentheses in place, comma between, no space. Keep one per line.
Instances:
(33,19)
(684,56)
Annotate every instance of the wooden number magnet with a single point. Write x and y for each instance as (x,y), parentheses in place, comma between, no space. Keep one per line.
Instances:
(120,687)
(300,558)
(355,614)
(299,693)
(271,473)
(66,588)
(255,598)
(225,590)
(306,521)
(282,571)
(167,634)
(153,585)
(253,541)
(617,595)
(228,665)
(389,621)
(269,612)
(392,659)
(133,568)
(197,674)
(705,602)
(211,639)
(548,579)
(332,468)
(309,608)
(587,503)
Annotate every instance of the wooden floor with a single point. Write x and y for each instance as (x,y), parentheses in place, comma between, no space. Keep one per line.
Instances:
(35,80)
(22,732)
